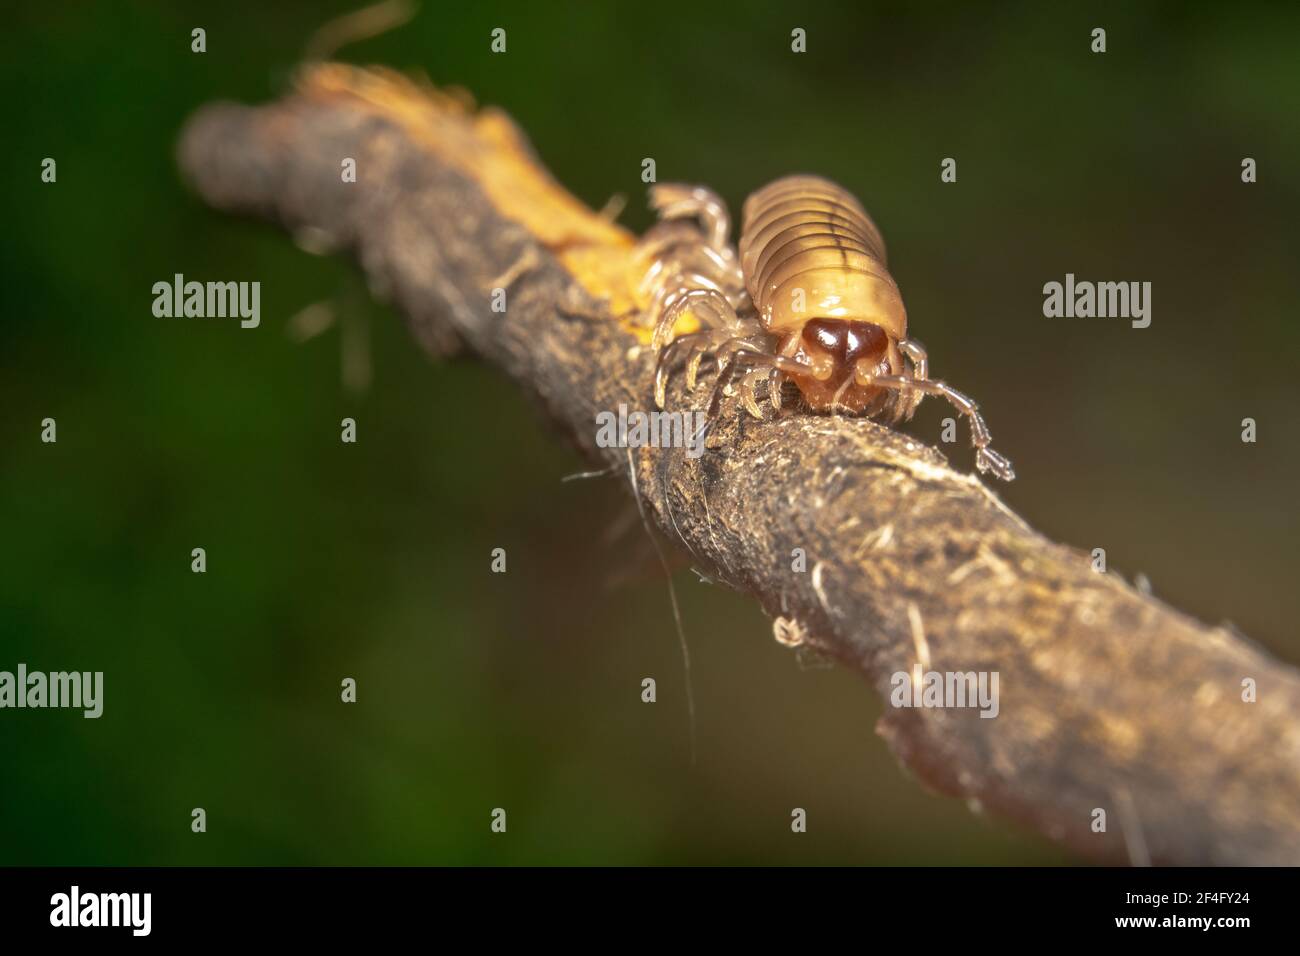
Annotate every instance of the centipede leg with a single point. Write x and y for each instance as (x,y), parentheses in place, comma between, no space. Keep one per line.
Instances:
(686,264)
(699,352)
(775,379)
(722,314)
(697,345)
(986,459)
(678,200)
(745,353)
(731,330)
(663,366)
(709,300)
(920,360)
(749,390)
(915,351)
(710,345)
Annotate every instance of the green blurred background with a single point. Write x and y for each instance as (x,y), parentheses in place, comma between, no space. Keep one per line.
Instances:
(522,690)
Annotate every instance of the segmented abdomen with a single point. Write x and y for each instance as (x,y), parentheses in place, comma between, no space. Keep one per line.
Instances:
(806,242)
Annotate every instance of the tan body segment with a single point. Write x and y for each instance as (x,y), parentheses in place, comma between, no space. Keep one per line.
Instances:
(809,250)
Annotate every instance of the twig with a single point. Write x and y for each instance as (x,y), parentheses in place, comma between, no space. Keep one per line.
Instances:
(1104,690)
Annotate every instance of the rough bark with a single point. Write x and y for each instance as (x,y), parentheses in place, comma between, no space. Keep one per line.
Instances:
(1109,698)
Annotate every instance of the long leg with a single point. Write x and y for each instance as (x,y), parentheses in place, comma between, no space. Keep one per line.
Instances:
(678,200)
(674,254)
(749,388)
(698,346)
(986,459)
(775,381)
(663,366)
(707,303)
(916,353)
(749,353)
(699,247)
(676,302)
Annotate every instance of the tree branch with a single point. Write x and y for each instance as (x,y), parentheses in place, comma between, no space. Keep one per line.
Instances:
(1109,698)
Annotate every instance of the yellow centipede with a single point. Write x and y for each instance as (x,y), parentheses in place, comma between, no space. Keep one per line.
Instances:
(806,298)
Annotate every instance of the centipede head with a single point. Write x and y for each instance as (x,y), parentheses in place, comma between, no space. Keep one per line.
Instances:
(833,348)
